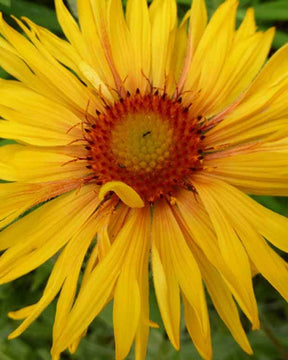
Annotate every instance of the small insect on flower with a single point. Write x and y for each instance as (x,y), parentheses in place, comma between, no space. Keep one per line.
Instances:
(150,136)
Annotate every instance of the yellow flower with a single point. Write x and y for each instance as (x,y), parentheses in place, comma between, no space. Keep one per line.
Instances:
(147,136)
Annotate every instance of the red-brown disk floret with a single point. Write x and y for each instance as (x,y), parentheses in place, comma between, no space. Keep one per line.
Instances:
(185,152)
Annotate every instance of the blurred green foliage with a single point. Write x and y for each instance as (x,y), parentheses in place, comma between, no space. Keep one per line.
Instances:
(270,343)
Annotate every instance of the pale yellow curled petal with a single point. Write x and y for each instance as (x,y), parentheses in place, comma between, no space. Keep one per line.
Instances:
(198,22)
(125,192)
(138,21)
(163,15)
(231,248)
(97,289)
(40,240)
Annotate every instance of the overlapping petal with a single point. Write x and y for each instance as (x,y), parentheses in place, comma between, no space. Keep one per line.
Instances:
(213,233)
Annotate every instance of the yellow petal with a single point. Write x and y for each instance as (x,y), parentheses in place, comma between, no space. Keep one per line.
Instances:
(263,103)
(53,79)
(31,312)
(244,61)
(92,76)
(40,240)
(121,45)
(16,198)
(73,254)
(179,57)
(247,27)
(92,31)
(272,226)
(97,289)
(138,21)
(205,68)
(262,171)
(198,22)
(126,193)
(163,15)
(28,112)
(268,262)
(222,299)
(199,227)
(231,249)
(55,46)
(70,27)
(202,343)
(166,288)
(183,262)
(101,21)
(142,333)
(126,312)
(25,163)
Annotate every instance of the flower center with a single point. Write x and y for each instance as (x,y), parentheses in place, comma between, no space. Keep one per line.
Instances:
(149,142)
(141,142)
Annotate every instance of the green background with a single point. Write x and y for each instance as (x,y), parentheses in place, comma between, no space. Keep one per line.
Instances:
(270,343)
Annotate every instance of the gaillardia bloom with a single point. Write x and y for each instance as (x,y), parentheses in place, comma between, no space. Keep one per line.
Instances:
(145,136)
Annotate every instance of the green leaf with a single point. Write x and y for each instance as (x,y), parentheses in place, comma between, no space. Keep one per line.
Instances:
(6,142)
(281,38)
(73,7)
(276,10)
(5,3)
(40,14)
(3,74)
